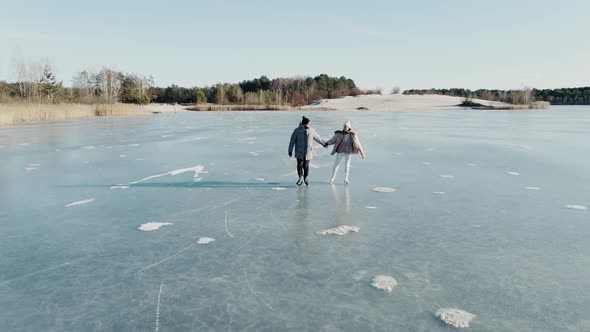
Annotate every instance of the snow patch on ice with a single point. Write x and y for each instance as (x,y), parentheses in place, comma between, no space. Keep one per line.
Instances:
(123,155)
(259,179)
(383,190)
(426,163)
(164,136)
(279,188)
(24,144)
(370,207)
(446,176)
(34,165)
(119,187)
(133,144)
(512,173)
(576,207)
(205,240)
(196,169)
(196,139)
(532,188)
(85,201)
(152,226)
(254,153)
(472,165)
(89,147)
(28,169)
(340,230)
(438,192)
(383,282)
(455,317)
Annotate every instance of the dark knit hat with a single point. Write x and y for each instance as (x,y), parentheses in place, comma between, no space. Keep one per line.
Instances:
(304,121)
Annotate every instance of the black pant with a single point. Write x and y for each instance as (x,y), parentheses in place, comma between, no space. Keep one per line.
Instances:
(302,167)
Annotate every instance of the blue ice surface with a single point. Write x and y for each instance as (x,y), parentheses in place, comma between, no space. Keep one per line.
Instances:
(516,258)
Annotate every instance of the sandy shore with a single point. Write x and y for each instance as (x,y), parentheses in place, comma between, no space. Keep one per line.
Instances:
(396,102)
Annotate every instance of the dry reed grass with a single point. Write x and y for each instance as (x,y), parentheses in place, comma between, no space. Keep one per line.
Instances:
(17,113)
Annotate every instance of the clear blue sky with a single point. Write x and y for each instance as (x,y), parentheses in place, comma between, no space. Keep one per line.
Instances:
(413,44)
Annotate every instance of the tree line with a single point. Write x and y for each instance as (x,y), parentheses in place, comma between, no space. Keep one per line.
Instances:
(106,86)
(38,83)
(293,91)
(565,96)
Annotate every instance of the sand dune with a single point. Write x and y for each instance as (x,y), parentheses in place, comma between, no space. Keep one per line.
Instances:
(396,102)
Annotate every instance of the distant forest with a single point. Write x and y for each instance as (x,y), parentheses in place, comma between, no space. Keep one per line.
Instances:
(38,83)
(294,91)
(566,96)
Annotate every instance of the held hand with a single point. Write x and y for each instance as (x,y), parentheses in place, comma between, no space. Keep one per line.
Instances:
(290,154)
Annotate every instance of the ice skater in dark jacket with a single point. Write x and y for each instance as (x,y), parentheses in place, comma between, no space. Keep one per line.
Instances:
(301,140)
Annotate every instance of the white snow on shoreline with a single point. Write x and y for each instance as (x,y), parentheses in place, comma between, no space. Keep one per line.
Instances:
(196,169)
(85,201)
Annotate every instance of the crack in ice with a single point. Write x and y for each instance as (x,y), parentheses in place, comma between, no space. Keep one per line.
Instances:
(158,306)
(34,273)
(254,292)
(165,259)
(228,233)
(196,169)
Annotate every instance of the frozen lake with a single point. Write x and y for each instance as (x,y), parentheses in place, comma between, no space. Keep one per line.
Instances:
(488,217)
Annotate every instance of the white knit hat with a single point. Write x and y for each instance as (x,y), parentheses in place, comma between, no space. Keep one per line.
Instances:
(348,124)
